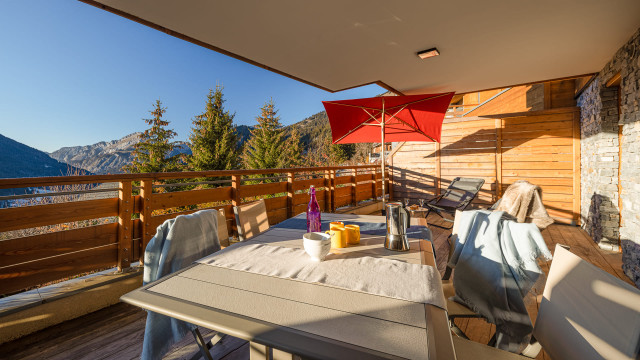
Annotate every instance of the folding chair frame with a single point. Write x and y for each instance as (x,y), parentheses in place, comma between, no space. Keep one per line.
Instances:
(432,203)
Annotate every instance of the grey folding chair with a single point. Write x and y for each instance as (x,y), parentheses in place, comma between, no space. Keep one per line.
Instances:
(177,243)
(458,196)
(455,310)
(585,313)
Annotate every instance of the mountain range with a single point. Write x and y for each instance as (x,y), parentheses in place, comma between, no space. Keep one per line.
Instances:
(108,157)
(19,160)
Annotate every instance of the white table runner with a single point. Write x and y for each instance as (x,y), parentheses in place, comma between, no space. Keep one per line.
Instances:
(378,276)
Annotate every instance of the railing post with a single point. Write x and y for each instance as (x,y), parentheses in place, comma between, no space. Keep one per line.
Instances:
(391,177)
(125,208)
(354,188)
(374,187)
(290,194)
(332,191)
(328,186)
(498,193)
(145,215)
(438,180)
(235,198)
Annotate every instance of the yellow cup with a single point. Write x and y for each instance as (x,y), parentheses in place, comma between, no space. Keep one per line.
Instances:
(353,234)
(338,236)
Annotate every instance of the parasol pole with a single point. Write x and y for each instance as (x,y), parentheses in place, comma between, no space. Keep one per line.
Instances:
(382,156)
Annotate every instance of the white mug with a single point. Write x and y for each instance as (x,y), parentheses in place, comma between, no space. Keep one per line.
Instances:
(317,245)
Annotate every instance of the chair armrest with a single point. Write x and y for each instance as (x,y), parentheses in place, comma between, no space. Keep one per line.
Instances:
(436,198)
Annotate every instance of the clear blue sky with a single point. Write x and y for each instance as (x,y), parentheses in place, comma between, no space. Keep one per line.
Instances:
(72,74)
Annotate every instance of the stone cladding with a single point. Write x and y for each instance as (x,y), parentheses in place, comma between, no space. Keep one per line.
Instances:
(608,157)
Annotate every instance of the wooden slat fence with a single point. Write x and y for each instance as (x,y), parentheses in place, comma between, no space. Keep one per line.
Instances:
(542,147)
(116,229)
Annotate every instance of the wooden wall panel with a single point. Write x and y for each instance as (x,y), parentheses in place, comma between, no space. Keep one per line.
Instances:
(339,180)
(43,215)
(305,184)
(20,276)
(24,249)
(263,189)
(183,198)
(514,100)
(343,200)
(276,216)
(537,147)
(275,203)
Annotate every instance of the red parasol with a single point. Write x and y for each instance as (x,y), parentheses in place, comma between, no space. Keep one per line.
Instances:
(387,119)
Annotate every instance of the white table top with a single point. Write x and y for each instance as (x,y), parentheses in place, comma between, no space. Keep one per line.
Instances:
(308,319)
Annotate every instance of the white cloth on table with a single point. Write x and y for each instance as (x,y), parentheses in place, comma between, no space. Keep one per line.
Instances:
(178,243)
(496,265)
(379,276)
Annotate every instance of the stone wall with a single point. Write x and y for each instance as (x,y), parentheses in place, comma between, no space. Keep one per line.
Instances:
(599,162)
(609,157)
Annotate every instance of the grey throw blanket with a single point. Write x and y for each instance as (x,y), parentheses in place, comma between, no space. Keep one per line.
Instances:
(495,264)
(178,243)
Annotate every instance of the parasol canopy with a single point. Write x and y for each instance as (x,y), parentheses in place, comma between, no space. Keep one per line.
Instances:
(387,119)
(406,118)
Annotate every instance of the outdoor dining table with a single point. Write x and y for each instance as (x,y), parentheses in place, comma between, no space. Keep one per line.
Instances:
(282,316)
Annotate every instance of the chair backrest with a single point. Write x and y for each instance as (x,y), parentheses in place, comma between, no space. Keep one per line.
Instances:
(251,219)
(587,313)
(463,190)
(179,242)
(223,232)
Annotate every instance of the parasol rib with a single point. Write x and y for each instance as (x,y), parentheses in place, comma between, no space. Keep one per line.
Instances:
(392,107)
(360,125)
(412,127)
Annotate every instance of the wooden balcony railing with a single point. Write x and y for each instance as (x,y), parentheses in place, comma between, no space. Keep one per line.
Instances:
(90,232)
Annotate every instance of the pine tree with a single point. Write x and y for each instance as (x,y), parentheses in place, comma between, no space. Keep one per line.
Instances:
(213,139)
(323,152)
(361,153)
(151,153)
(264,150)
(341,153)
(293,150)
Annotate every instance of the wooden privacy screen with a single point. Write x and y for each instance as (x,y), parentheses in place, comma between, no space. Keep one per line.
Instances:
(35,259)
(542,147)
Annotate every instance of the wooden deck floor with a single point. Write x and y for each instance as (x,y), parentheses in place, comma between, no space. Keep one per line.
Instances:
(116,332)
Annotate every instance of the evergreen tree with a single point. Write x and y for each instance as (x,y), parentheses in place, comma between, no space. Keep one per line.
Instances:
(293,150)
(151,153)
(341,153)
(361,153)
(213,139)
(265,148)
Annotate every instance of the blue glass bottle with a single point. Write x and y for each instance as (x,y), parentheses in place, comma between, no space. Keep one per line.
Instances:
(313,212)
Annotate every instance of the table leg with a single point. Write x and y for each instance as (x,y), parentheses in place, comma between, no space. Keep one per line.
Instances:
(259,351)
(263,352)
(204,349)
(281,355)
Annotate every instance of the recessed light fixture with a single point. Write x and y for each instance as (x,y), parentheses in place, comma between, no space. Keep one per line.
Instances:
(424,54)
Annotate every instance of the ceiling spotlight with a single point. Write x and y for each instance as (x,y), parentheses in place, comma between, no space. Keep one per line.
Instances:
(424,54)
